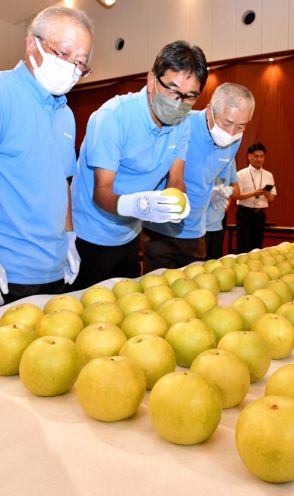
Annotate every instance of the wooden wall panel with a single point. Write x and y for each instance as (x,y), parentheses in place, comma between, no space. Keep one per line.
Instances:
(85,102)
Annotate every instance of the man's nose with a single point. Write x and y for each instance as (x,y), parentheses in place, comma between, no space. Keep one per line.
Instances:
(233,130)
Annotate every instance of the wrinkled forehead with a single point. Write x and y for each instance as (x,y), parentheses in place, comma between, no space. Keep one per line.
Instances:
(69,32)
(236,114)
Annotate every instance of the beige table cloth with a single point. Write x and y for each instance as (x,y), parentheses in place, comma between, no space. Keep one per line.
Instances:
(49,447)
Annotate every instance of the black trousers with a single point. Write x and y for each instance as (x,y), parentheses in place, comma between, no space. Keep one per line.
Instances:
(214,244)
(161,251)
(250,228)
(18,291)
(99,263)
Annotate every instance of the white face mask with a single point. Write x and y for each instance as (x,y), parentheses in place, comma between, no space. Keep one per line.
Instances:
(221,137)
(56,76)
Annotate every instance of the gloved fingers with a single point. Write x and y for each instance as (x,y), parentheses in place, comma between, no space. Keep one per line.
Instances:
(159,202)
(167,199)
(168,217)
(72,278)
(1,300)
(156,205)
(228,190)
(74,260)
(67,272)
(4,286)
(176,221)
(69,276)
(218,197)
(220,205)
(168,208)
(219,187)
(3,280)
(224,190)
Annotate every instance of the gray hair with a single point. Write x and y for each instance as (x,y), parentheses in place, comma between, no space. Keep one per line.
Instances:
(42,22)
(232,95)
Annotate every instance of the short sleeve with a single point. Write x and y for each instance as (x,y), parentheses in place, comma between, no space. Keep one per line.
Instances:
(104,140)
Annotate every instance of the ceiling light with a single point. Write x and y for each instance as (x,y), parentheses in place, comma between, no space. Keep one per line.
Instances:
(107,3)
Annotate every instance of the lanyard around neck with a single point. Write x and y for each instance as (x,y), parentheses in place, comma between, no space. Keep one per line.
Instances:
(254,181)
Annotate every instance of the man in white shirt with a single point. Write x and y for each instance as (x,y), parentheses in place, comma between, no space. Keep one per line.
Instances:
(257,189)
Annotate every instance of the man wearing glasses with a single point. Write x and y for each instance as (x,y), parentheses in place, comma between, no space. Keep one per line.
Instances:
(216,134)
(37,139)
(134,144)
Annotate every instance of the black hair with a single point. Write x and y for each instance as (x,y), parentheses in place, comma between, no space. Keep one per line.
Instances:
(257,147)
(180,56)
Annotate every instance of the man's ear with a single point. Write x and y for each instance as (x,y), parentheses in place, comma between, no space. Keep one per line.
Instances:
(209,116)
(30,44)
(208,106)
(32,49)
(150,81)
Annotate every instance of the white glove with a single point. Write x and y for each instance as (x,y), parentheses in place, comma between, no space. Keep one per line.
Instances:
(228,191)
(151,206)
(219,196)
(3,283)
(73,261)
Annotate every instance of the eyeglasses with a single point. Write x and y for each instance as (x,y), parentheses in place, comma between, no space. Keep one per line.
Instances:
(84,69)
(177,95)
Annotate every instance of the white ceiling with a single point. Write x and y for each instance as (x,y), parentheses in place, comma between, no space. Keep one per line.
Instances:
(15,11)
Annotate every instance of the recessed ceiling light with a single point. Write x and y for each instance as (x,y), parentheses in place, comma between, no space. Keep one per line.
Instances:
(107,3)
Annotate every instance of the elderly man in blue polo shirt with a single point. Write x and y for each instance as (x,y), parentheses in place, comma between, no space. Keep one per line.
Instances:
(134,144)
(37,155)
(216,134)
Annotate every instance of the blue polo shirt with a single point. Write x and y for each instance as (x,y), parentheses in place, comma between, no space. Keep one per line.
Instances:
(204,162)
(214,216)
(122,137)
(37,136)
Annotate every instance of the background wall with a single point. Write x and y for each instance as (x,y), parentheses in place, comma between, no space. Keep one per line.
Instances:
(215,25)
(12,43)
(146,25)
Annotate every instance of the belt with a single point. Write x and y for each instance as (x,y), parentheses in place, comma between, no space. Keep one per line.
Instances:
(252,209)
(258,210)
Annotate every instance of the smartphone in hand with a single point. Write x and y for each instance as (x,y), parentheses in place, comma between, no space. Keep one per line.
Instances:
(268,187)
